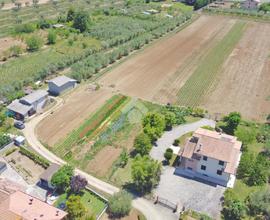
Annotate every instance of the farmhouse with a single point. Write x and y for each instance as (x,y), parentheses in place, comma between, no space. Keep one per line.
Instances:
(46,176)
(61,84)
(250,4)
(211,156)
(28,105)
(19,205)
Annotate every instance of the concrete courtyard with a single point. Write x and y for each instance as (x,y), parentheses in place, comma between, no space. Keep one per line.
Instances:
(190,193)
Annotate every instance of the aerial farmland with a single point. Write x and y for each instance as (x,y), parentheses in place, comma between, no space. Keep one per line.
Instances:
(148,78)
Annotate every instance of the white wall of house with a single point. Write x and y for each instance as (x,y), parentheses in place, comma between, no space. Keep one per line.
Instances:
(212,165)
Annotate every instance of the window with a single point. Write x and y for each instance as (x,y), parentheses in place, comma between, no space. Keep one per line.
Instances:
(203,167)
(219,172)
(205,158)
(221,162)
(189,168)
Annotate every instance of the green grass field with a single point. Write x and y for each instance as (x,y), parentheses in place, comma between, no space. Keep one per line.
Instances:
(207,70)
(92,202)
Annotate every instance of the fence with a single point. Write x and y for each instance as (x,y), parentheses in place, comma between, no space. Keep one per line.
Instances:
(165,202)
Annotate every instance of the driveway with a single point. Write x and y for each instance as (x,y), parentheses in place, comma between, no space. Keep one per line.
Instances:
(168,137)
(190,193)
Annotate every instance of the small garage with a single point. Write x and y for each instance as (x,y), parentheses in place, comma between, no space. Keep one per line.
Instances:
(60,84)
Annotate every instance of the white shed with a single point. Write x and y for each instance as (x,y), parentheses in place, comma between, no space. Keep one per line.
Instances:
(61,84)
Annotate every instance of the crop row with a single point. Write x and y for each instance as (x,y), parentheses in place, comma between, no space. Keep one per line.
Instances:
(205,74)
(89,126)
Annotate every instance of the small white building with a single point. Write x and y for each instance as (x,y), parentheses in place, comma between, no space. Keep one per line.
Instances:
(211,156)
(61,84)
(19,141)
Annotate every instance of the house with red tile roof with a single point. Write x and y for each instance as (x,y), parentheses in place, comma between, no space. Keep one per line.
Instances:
(211,156)
(17,205)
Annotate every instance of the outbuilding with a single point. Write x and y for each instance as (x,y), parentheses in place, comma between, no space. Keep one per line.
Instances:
(61,84)
(19,141)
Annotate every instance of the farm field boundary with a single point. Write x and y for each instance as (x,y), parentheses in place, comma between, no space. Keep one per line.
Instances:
(207,70)
(89,127)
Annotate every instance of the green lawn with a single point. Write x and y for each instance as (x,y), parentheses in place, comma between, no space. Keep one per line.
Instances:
(208,68)
(92,202)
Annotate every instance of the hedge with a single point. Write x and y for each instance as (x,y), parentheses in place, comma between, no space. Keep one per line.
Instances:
(36,158)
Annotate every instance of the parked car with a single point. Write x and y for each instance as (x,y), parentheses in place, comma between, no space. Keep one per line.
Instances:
(19,125)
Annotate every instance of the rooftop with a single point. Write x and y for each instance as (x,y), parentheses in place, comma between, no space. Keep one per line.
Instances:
(35,96)
(18,107)
(215,145)
(28,208)
(61,80)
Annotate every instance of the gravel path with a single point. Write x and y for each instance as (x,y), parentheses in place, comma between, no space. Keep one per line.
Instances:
(168,137)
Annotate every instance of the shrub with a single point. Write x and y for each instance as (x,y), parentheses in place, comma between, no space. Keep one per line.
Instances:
(10,151)
(4,139)
(75,208)
(34,43)
(258,203)
(78,183)
(51,37)
(15,51)
(176,142)
(120,204)
(168,154)
(25,28)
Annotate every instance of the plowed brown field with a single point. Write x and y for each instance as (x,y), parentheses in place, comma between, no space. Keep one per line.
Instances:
(244,81)
(154,73)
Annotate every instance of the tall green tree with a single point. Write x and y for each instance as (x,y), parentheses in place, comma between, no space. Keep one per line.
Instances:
(154,125)
(52,37)
(75,208)
(232,120)
(259,203)
(145,173)
(170,119)
(81,21)
(61,179)
(142,144)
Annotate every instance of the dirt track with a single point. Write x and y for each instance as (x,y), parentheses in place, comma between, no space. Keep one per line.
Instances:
(244,81)
(146,74)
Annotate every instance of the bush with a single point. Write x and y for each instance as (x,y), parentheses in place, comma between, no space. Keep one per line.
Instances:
(120,204)
(36,158)
(176,142)
(4,140)
(34,43)
(25,28)
(81,21)
(200,3)
(168,154)
(15,51)
(51,37)
(258,203)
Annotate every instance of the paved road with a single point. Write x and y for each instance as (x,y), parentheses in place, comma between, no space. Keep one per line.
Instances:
(168,137)
(150,211)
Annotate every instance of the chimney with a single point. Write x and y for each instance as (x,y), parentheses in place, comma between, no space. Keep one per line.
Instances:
(57,213)
(31,201)
(200,147)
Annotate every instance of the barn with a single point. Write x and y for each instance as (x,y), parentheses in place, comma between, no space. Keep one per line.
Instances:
(61,84)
